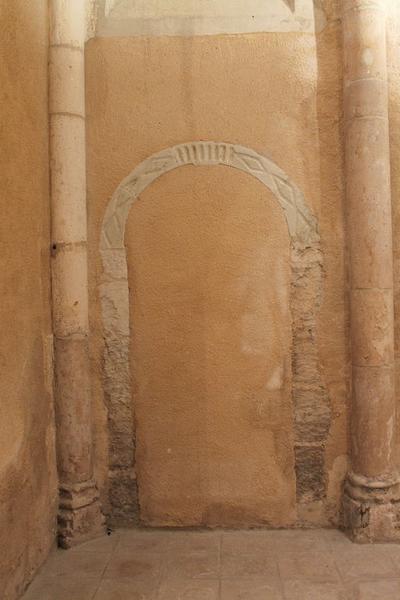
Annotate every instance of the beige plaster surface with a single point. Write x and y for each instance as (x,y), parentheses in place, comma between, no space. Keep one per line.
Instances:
(208,260)
(278,94)
(27,459)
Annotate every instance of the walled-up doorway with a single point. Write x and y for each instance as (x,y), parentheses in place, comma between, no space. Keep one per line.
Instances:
(210,287)
(208,255)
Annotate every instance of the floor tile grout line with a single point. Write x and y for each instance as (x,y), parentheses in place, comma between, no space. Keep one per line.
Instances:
(220,566)
(338,571)
(276,557)
(369,579)
(101,577)
(351,581)
(328,544)
(162,558)
(97,589)
(395,565)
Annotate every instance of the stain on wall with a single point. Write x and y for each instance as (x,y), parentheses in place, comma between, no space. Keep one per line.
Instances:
(28,484)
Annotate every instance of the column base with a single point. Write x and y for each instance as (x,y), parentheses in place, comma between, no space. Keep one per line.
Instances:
(371,509)
(79,516)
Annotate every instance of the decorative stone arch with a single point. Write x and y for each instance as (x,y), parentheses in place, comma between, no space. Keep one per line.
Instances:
(311,403)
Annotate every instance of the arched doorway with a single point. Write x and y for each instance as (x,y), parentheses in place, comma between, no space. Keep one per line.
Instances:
(304,289)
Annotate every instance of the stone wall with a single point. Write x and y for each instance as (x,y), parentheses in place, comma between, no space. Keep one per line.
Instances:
(266,76)
(28,492)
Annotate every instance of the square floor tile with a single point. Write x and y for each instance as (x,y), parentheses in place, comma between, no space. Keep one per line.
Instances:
(192,542)
(248,565)
(62,588)
(248,542)
(298,540)
(145,541)
(103,544)
(189,589)
(126,589)
(392,551)
(364,563)
(125,563)
(336,539)
(63,563)
(308,565)
(306,590)
(377,590)
(251,589)
(196,565)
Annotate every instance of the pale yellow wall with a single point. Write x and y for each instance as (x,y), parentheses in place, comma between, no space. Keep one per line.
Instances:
(209,260)
(27,458)
(280,94)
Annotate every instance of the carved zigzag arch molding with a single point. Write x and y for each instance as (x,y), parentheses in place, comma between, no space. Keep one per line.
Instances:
(311,411)
(301,223)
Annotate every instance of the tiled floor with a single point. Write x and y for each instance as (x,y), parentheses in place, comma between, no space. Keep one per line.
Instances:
(228,565)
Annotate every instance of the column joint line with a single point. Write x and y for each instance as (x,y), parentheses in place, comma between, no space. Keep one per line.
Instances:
(62,113)
(79,49)
(351,81)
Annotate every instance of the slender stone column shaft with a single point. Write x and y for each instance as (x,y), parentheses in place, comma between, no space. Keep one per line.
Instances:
(79,516)
(371,487)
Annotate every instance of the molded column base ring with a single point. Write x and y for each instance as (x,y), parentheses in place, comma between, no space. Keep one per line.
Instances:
(79,517)
(371,514)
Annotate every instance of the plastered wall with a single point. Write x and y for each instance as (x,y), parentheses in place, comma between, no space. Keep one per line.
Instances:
(27,458)
(204,416)
(210,410)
